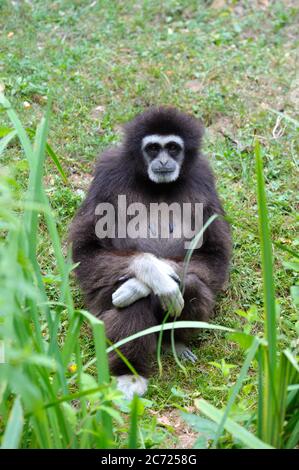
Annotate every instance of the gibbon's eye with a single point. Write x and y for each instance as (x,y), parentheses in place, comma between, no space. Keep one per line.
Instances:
(152,149)
(173,148)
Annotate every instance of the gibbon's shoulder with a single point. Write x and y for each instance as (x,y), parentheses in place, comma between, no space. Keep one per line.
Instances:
(111,174)
(109,160)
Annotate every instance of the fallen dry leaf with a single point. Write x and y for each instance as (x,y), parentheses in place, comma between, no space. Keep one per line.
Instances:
(194,85)
(97,112)
(217,4)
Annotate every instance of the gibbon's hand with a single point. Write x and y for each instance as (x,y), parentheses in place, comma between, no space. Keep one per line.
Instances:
(129,292)
(161,278)
(170,296)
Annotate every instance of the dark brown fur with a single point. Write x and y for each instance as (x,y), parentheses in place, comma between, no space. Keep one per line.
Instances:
(104,262)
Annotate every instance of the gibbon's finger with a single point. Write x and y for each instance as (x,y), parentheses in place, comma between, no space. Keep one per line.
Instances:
(124,301)
(180,302)
(175,277)
(129,292)
(174,304)
(125,297)
(165,268)
(125,277)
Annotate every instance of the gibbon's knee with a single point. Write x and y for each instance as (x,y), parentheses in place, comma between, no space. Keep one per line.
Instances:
(121,323)
(199,302)
(199,299)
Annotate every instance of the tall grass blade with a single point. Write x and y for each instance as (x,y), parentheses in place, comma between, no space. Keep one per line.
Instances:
(267,263)
(24,139)
(133,441)
(56,161)
(102,365)
(270,413)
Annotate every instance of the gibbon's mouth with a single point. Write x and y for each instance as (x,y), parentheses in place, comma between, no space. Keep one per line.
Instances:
(164,171)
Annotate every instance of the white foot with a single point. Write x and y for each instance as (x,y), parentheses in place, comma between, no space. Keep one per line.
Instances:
(131,385)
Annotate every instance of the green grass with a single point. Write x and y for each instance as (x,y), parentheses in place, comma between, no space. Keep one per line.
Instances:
(232,67)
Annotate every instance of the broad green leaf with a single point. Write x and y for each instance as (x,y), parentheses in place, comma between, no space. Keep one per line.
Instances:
(70,413)
(205,427)
(295,295)
(237,431)
(5,141)
(14,427)
(89,383)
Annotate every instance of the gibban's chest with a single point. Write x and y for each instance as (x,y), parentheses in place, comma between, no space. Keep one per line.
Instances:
(155,226)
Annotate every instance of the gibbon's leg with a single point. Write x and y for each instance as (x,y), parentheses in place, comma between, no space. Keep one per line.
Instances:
(121,323)
(198,299)
(199,302)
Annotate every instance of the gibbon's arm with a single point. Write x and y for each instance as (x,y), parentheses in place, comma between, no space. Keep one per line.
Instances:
(161,278)
(209,264)
(205,276)
(103,269)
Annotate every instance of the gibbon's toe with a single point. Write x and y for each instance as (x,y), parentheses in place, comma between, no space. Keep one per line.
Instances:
(188,355)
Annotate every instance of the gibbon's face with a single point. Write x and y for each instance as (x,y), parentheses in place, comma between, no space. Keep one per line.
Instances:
(163,155)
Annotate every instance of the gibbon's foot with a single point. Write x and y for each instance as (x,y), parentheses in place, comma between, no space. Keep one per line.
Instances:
(129,292)
(131,385)
(182,351)
(188,355)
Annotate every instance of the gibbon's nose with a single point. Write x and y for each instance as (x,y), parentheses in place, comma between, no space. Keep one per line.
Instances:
(163,160)
(163,165)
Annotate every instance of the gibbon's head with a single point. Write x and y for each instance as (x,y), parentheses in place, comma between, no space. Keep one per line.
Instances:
(163,142)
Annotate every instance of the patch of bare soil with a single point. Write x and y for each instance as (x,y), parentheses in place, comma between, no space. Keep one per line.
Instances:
(195,85)
(98,112)
(80,181)
(241,8)
(184,434)
(223,125)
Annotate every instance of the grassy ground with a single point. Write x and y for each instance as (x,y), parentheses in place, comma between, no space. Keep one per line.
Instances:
(230,65)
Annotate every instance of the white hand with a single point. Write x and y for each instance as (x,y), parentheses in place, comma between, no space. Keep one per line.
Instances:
(161,278)
(170,296)
(129,292)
